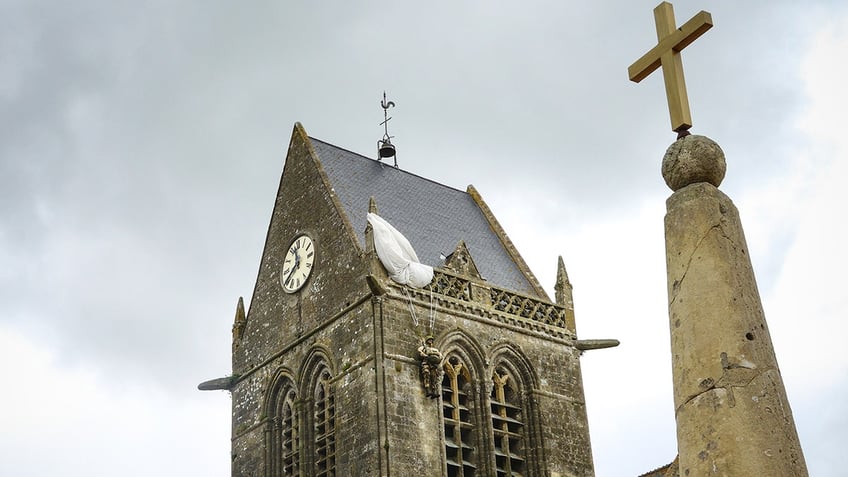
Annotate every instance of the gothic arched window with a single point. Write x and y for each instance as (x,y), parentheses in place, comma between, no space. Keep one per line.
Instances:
(324,429)
(507,423)
(458,419)
(281,438)
(289,451)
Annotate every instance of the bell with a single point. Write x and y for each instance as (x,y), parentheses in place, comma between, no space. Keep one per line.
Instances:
(386,149)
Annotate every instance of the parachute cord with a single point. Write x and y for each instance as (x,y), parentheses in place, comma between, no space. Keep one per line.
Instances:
(432,313)
(409,304)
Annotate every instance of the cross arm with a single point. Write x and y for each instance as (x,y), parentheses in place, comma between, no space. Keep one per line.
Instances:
(680,39)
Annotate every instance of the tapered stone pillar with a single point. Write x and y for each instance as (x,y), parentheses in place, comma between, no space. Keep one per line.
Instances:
(733,416)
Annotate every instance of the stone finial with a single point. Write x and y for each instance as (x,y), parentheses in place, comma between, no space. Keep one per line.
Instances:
(564,297)
(369,231)
(563,287)
(239,323)
(240,317)
(693,159)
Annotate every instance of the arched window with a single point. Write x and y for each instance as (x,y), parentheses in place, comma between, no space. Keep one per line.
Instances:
(324,429)
(458,419)
(281,438)
(507,423)
(289,451)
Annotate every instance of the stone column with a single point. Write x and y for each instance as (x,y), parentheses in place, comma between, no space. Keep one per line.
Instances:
(733,416)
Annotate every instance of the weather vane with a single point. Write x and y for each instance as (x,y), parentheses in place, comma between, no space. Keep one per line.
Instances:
(385,148)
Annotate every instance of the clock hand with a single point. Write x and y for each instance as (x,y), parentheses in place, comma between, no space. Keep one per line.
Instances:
(294,267)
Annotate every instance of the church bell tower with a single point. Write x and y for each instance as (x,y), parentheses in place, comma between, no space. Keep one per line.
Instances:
(338,369)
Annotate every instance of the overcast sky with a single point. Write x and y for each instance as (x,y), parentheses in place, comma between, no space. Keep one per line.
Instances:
(141,146)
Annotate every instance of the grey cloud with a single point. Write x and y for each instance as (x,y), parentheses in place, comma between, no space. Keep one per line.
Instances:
(140,146)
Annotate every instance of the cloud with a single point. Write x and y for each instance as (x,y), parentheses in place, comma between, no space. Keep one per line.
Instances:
(140,148)
(808,299)
(65,420)
(809,287)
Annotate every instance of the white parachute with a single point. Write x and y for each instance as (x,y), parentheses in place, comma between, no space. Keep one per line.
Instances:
(397,256)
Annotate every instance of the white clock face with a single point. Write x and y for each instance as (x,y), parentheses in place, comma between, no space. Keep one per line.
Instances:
(298,264)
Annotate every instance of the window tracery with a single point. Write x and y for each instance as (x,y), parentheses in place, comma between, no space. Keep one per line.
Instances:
(324,430)
(281,438)
(507,424)
(289,435)
(458,419)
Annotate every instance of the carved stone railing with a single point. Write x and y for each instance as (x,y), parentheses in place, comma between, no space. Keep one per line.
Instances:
(526,307)
(450,285)
(513,303)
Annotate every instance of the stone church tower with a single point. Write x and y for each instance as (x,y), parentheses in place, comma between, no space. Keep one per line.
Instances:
(327,376)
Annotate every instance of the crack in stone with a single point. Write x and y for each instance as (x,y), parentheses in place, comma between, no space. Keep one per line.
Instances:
(720,226)
(734,375)
(677,283)
(727,387)
(728,381)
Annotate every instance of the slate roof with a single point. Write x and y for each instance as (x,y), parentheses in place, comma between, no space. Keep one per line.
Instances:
(432,216)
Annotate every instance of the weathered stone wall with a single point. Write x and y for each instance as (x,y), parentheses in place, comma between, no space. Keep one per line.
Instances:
(304,205)
(330,313)
(412,420)
(414,425)
(348,346)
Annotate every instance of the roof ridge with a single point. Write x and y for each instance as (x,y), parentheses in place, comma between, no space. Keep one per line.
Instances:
(396,168)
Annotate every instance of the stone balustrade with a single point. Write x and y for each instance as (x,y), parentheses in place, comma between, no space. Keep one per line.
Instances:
(505,301)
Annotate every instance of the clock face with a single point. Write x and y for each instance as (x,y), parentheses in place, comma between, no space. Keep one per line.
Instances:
(298,264)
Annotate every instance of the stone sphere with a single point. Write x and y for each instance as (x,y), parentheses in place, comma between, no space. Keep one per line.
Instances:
(693,159)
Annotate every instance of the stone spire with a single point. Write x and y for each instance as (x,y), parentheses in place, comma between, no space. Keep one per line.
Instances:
(562,289)
(733,416)
(238,323)
(369,231)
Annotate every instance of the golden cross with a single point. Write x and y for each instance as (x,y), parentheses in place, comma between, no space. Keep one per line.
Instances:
(670,42)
